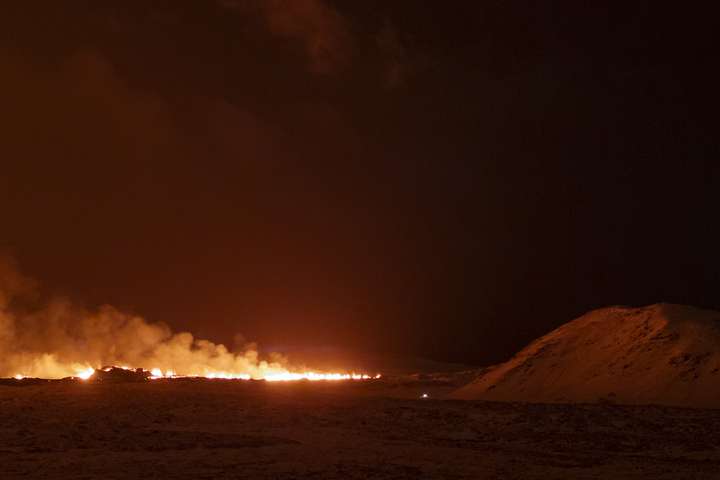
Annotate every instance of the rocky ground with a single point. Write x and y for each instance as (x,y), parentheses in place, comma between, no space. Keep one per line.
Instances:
(204,429)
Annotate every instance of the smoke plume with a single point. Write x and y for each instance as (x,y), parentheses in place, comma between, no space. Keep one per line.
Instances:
(55,339)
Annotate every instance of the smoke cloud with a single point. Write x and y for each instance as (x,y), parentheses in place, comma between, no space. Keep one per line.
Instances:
(322,31)
(224,180)
(55,339)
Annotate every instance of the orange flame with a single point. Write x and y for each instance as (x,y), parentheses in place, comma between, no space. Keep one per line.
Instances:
(282,376)
(86,373)
(285,376)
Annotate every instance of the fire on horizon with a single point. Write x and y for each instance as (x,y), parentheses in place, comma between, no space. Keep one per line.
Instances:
(282,376)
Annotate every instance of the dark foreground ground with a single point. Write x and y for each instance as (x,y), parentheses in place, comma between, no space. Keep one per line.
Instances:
(348,430)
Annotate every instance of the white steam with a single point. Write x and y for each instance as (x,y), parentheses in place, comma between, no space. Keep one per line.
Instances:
(59,339)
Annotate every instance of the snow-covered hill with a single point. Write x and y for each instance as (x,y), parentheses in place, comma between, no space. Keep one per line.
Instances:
(660,354)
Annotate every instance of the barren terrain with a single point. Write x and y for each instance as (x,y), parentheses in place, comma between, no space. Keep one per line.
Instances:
(661,354)
(204,429)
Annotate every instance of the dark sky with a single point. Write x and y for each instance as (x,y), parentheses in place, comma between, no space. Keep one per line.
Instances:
(447,179)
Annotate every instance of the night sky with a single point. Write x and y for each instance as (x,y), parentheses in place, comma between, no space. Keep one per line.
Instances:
(442,179)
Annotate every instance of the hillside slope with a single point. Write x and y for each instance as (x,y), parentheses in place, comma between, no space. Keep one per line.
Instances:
(660,354)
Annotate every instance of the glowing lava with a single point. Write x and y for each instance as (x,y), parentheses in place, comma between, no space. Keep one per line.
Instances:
(282,376)
(156,374)
(312,376)
(85,374)
(275,375)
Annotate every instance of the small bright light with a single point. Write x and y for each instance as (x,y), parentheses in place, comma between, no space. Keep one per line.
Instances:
(19,377)
(424,395)
(156,372)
